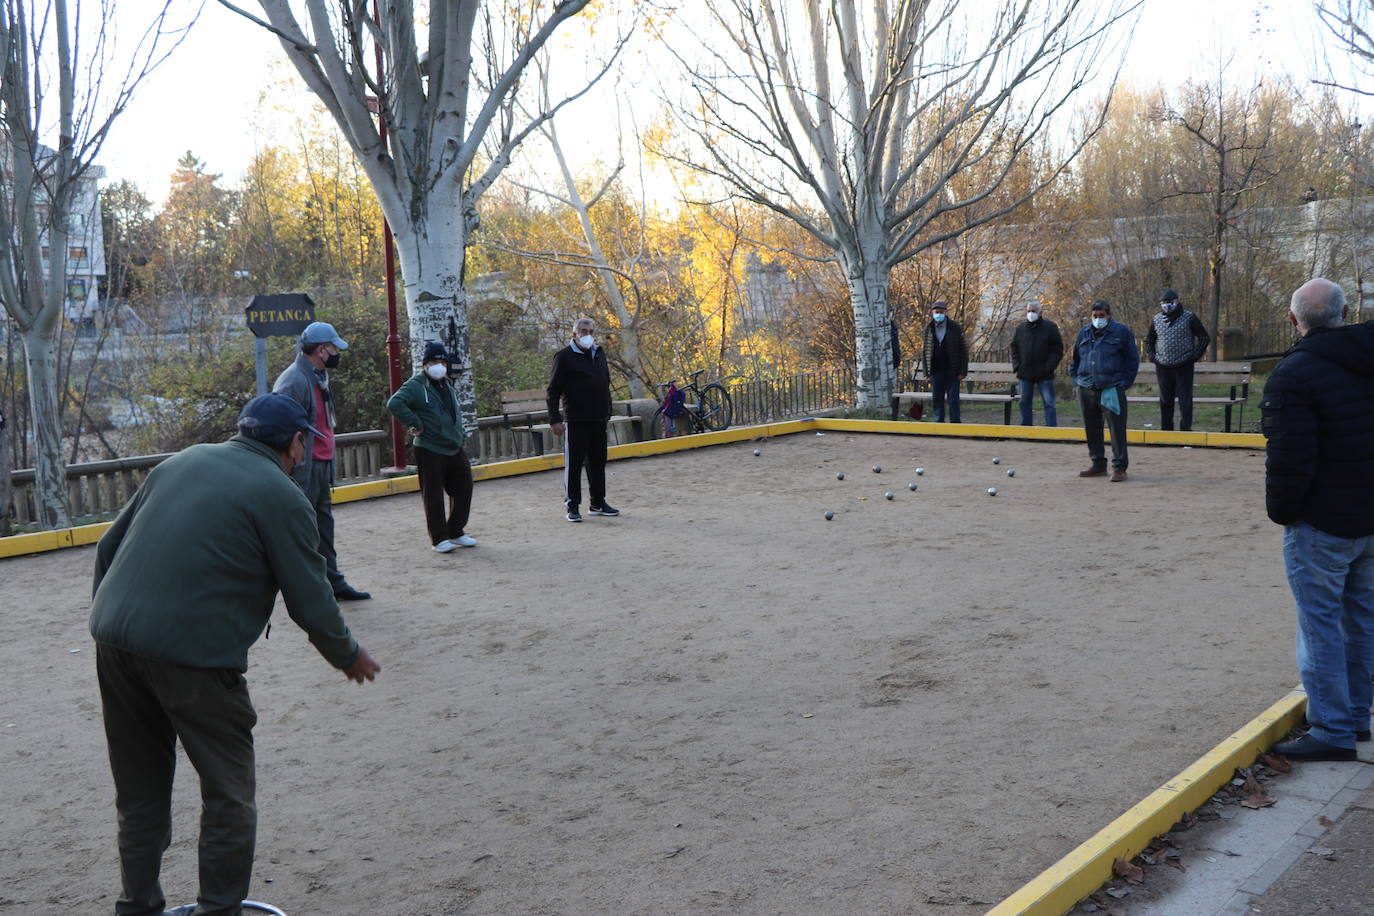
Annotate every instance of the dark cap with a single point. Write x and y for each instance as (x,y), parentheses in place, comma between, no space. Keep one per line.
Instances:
(941,304)
(1102,304)
(1168,296)
(274,419)
(318,332)
(434,350)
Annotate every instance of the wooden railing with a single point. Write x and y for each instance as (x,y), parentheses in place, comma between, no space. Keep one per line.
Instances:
(99,489)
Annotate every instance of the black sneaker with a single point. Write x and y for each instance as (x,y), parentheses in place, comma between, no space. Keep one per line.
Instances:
(574,515)
(603,508)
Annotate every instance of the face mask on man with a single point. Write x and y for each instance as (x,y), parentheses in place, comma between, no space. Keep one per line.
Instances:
(938,317)
(436,371)
(1168,307)
(1099,323)
(586,341)
(331,361)
(1032,317)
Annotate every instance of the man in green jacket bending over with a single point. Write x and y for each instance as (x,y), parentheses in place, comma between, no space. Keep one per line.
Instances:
(185,581)
(428,405)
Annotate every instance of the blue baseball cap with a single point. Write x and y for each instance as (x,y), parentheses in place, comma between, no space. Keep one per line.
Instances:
(318,332)
(272,418)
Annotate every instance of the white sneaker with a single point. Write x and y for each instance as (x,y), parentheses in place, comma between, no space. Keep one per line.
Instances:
(463,540)
(444,546)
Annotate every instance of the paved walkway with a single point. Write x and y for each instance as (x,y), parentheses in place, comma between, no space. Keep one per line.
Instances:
(1311,853)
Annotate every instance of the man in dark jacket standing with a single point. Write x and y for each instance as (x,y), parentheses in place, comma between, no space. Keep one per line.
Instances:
(1318,415)
(579,399)
(1105,362)
(1036,349)
(946,361)
(306,381)
(185,581)
(1176,340)
(428,406)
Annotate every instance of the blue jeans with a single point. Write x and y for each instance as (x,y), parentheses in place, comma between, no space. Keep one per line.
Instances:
(944,385)
(1332,579)
(1046,388)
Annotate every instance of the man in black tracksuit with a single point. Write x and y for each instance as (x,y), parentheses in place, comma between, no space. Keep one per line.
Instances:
(581,381)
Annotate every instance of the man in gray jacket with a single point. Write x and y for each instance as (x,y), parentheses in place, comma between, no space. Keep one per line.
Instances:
(306,381)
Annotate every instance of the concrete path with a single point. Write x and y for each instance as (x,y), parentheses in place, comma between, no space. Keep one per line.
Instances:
(1311,853)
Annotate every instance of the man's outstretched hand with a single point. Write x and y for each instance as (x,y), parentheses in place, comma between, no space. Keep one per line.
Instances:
(363,667)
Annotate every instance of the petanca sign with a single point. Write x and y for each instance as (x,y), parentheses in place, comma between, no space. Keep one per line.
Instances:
(279,315)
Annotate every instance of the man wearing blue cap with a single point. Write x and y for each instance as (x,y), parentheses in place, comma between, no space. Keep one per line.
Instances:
(185,581)
(306,381)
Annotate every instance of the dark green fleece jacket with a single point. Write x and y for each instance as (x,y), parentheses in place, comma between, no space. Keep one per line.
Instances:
(190,570)
(433,408)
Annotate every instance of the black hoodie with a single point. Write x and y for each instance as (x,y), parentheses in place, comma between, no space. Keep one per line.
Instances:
(1318,414)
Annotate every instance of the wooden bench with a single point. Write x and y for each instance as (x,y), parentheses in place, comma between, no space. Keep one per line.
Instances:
(992,375)
(1237,375)
(526,415)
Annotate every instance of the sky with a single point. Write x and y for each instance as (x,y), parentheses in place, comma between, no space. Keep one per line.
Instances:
(217,93)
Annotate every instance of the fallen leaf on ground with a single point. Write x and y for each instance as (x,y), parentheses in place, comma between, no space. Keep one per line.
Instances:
(1132,873)
(1276,762)
(1258,800)
(1118,892)
(1325,821)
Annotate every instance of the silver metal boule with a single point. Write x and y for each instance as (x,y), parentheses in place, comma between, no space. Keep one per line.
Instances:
(829,516)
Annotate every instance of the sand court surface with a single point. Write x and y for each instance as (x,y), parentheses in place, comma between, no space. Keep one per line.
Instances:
(717,703)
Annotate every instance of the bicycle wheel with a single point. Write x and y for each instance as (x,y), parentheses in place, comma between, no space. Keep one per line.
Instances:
(716,408)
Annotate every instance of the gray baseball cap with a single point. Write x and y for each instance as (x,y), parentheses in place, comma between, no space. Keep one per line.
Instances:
(318,332)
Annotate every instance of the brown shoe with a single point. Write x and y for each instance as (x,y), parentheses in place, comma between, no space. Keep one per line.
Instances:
(1118,476)
(1093,471)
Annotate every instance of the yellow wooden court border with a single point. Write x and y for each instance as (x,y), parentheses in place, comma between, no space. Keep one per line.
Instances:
(1059,888)
(44,541)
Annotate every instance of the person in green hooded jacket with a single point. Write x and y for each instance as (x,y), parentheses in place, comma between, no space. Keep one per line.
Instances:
(428,406)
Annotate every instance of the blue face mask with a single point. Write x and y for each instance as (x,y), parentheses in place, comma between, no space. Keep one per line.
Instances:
(1099,323)
(938,317)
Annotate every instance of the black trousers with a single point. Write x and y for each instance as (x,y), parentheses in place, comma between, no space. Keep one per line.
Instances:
(148,705)
(1094,416)
(584,445)
(1175,381)
(444,476)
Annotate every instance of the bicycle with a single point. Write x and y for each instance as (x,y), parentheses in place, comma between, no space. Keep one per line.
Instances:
(704,409)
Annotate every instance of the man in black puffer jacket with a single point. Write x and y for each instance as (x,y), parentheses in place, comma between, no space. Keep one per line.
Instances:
(581,384)
(1318,414)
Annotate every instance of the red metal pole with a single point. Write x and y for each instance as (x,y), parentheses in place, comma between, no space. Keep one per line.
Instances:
(393,337)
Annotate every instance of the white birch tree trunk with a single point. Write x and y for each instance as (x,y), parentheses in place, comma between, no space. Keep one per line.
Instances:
(874,373)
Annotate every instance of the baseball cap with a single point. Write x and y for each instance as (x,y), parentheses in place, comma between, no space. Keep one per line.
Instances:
(1168,296)
(434,350)
(274,417)
(318,332)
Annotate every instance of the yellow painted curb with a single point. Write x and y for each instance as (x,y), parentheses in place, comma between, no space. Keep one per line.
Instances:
(1058,889)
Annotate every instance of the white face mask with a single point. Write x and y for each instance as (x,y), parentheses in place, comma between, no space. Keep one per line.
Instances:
(1032,316)
(938,317)
(1099,323)
(586,341)
(1167,307)
(436,371)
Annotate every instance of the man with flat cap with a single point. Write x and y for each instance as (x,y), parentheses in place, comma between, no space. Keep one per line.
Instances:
(185,581)
(306,381)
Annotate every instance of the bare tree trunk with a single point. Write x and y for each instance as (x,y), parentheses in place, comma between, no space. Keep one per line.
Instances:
(6,484)
(50,478)
(872,335)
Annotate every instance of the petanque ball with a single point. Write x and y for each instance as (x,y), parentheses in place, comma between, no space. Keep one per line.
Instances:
(840,476)
(997,461)
(1011,472)
(920,471)
(911,486)
(877,469)
(887,495)
(829,516)
(757,453)
(992,491)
